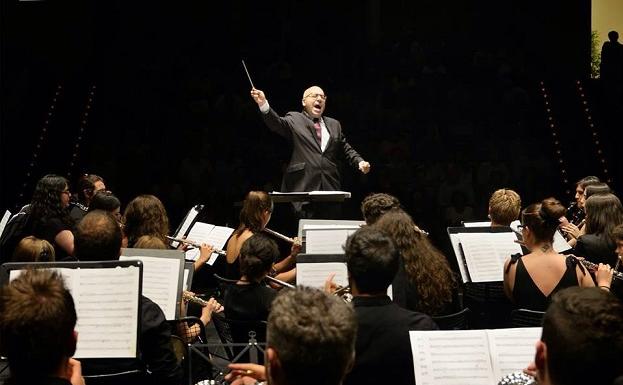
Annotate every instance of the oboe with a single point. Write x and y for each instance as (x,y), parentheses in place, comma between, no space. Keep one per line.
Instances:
(593,267)
(195,244)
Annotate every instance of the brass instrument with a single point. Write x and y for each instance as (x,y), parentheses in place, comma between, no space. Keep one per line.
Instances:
(195,244)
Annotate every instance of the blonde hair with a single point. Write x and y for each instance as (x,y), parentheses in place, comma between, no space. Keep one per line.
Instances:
(31,249)
(504,206)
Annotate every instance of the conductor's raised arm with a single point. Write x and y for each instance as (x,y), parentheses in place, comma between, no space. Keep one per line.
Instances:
(258,96)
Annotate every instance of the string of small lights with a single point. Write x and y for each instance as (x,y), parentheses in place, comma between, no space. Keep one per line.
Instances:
(555,136)
(40,141)
(594,132)
(84,120)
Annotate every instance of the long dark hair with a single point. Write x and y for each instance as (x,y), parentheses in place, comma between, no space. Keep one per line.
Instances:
(46,200)
(603,213)
(145,215)
(253,207)
(427,268)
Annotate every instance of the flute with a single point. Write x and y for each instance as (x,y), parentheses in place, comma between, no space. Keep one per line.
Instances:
(278,235)
(194,299)
(280,282)
(593,267)
(195,244)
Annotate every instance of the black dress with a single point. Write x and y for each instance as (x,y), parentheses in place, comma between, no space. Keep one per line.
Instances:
(248,304)
(527,294)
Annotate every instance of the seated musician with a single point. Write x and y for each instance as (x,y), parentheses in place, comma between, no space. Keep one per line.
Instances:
(375,205)
(531,280)
(254,216)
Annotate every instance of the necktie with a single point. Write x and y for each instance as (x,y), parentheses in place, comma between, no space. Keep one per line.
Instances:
(318,129)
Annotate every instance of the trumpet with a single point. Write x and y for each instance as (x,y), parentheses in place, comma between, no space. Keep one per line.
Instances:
(195,244)
(593,267)
(281,236)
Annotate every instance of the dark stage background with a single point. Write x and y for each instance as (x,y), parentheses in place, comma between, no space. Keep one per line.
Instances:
(442,97)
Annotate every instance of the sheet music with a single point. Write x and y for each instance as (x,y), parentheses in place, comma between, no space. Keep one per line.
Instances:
(106,302)
(5,219)
(451,357)
(213,235)
(345,193)
(186,283)
(315,274)
(335,226)
(512,349)
(560,244)
(327,241)
(458,254)
(485,254)
(190,217)
(477,224)
(160,281)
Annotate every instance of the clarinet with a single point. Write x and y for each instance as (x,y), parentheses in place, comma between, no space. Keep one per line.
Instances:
(577,214)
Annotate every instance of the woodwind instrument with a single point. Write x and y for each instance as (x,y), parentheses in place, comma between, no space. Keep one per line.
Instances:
(280,282)
(195,244)
(194,299)
(593,267)
(279,235)
(344,293)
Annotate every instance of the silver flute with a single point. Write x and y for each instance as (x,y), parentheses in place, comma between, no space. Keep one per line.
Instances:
(280,282)
(593,267)
(195,244)
(278,235)
(195,300)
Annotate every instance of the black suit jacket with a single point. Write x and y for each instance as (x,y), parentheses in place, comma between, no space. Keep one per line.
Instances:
(310,168)
(383,349)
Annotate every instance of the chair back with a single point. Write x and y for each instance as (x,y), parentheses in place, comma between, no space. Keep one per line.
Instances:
(238,331)
(521,318)
(455,321)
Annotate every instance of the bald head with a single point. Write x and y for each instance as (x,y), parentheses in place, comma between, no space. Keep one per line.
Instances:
(314,100)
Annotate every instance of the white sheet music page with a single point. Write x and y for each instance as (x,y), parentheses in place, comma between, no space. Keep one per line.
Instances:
(160,280)
(107,304)
(200,233)
(485,254)
(5,219)
(315,274)
(458,254)
(477,224)
(327,241)
(218,238)
(560,244)
(512,349)
(456,357)
(190,217)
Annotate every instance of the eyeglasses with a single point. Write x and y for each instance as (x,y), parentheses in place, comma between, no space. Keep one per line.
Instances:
(315,96)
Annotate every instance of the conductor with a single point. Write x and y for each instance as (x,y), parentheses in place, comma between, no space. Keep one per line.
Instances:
(317,143)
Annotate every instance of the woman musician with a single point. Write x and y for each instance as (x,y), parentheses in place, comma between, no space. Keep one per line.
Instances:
(254,216)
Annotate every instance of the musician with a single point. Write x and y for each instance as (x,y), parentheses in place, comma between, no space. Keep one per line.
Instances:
(582,339)
(98,238)
(256,211)
(532,279)
(383,352)
(572,230)
(311,341)
(31,249)
(504,207)
(39,341)
(424,282)
(145,215)
(575,213)
(375,205)
(86,187)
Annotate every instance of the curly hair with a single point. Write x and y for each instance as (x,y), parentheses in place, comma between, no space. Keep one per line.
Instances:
(426,267)
(46,200)
(145,215)
(375,205)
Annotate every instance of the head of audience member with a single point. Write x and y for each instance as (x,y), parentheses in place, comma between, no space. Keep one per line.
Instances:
(37,321)
(504,207)
(595,189)
(581,185)
(257,255)
(150,242)
(617,236)
(257,209)
(371,260)
(540,221)
(314,101)
(106,201)
(603,213)
(145,215)
(50,198)
(375,205)
(86,186)
(310,338)
(582,339)
(32,249)
(97,237)
(613,36)
(426,267)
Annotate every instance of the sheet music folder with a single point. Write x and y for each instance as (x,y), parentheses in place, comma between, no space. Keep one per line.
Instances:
(107,300)
(474,269)
(309,196)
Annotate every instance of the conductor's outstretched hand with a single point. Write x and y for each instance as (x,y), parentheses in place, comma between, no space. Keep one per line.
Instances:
(258,96)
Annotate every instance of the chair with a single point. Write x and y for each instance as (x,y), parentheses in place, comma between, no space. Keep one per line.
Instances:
(489,304)
(236,331)
(521,318)
(455,321)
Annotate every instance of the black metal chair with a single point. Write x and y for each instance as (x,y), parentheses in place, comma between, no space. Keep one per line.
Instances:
(490,307)
(521,318)
(239,332)
(455,321)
